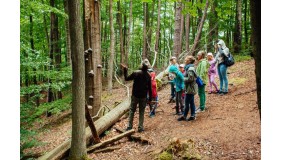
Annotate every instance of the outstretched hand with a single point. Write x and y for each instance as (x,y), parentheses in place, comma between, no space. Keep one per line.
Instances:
(123,65)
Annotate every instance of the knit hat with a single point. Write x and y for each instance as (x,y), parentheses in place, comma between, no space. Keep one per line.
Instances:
(181,65)
(210,54)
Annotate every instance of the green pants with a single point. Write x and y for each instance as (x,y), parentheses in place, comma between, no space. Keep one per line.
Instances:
(133,106)
(202,95)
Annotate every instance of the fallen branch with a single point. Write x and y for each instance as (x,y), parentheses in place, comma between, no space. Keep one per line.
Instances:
(101,125)
(134,137)
(91,125)
(108,149)
(111,140)
(31,155)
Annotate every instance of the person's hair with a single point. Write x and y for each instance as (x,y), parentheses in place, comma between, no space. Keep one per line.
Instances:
(191,59)
(202,53)
(146,61)
(144,67)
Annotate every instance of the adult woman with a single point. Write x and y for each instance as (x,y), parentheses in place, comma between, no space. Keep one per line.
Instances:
(223,51)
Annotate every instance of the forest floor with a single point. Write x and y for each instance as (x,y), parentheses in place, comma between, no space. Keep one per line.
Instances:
(230,128)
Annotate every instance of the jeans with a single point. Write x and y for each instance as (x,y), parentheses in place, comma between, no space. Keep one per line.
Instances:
(172,90)
(153,106)
(202,95)
(179,101)
(133,106)
(189,103)
(222,72)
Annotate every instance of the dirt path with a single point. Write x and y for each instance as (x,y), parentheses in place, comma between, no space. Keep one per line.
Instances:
(228,129)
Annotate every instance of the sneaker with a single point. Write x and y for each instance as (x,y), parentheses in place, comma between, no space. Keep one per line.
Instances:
(152,115)
(191,118)
(181,118)
(179,113)
(225,93)
(219,92)
(198,110)
(140,130)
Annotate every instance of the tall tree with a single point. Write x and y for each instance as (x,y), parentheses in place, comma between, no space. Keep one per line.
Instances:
(96,58)
(177,29)
(128,39)
(119,21)
(68,54)
(78,140)
(158,27)
(187,31)
(213,27)
(237,42)
(197,38)
(112,48)
(255,8)
(246,24)
(145,21)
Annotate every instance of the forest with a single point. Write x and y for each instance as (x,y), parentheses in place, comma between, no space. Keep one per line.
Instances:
(71,51)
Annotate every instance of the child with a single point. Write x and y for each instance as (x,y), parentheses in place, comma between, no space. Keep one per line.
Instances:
(190,89)
(181,69)
(202,72)
(179,86)
(212,73)
(173,62)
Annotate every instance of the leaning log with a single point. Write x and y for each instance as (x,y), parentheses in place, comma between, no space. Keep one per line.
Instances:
(111,140)
(102,124)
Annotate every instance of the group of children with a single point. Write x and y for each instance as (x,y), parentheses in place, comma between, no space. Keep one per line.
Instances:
(183,82)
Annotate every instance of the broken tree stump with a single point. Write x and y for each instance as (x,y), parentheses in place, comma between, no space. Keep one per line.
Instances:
(91,125)
(111,140)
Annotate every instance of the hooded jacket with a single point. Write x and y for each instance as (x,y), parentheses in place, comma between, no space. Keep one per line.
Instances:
(191,86)
(179,78)
(202,70)
(219,56)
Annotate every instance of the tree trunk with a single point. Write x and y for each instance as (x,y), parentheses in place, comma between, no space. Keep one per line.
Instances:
(96,57)
(101,125)
(197,38)
(78,140)
(238,28)
(177,26)
(158,27)
(112,49)
(187,33)
(119,20)
(212,27)
(245,26)
(129,32)
(145,45)
(150,20)
(68,47)
(255,7)
(181,30)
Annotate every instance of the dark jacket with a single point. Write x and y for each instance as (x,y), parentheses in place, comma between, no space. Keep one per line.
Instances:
(141,85)
(191,86)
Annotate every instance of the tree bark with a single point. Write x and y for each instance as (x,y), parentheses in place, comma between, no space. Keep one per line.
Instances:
(197,38)
(246,26)
(177,26)
(119,20)
(255,7)
(91,125)
(212,26)
(78,140)
(128,33)
(181,30)
(96,57)
(112,49)
(101,125)
(237,42)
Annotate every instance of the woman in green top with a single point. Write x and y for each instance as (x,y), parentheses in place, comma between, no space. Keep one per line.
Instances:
(202,72)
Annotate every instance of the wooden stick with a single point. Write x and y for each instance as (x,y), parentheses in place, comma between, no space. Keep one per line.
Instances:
(111,140)
(134,137)
(91,126)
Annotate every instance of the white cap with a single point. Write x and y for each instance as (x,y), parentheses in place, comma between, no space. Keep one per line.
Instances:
(209,54)
(181,66)
(173,57)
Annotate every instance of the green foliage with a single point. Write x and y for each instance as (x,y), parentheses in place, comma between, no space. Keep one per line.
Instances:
(240,58)
(27,140)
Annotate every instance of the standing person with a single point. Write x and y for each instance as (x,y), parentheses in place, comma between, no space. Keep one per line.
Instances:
(202,72)
(221,67)
(182,70)
(171,77)
(152,73)
(212,73)
(179,87)
(191,88)
(141,86)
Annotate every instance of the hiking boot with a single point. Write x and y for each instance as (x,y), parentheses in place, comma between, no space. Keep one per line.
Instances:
(140,130)
(181,118)
(191,118)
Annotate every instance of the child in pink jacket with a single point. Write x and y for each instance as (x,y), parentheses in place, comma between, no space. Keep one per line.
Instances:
(212,73)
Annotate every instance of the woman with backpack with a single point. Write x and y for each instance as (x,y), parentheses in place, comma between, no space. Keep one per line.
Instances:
(222,52)
(191,88)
